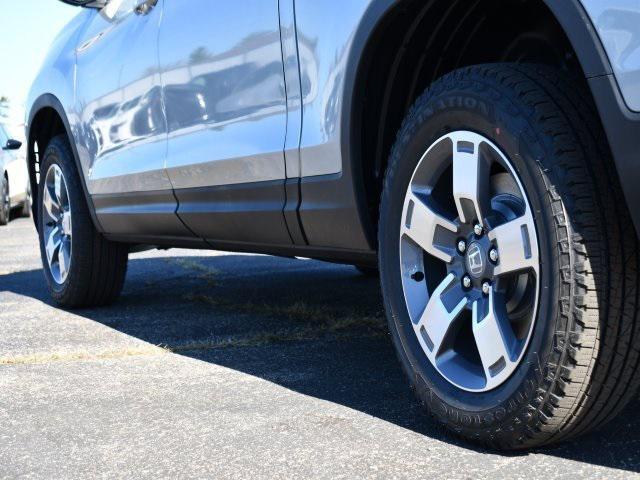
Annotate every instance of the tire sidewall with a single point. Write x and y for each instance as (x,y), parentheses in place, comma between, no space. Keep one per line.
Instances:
(498,118)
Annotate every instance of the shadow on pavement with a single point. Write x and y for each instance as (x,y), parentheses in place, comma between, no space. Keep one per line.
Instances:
(311,327)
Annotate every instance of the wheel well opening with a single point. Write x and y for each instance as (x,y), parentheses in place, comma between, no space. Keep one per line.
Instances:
(420,41)
(45,125)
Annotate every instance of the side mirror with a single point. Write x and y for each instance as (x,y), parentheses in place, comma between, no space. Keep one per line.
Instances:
(12,144)
(86,3)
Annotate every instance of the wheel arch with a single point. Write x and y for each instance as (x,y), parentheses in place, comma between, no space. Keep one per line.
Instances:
(47,119)
(371,51)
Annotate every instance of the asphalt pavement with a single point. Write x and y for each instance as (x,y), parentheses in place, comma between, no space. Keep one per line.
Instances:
(222,365)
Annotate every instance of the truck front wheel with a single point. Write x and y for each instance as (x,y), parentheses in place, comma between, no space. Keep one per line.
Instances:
(508,259)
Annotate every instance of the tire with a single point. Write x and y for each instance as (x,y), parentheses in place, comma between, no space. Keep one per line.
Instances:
(95,272)
(580,366)
(26,206)
(5,201)
(371,272)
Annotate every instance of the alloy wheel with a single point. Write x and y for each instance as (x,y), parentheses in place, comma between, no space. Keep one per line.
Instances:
(469,261)
(57,224)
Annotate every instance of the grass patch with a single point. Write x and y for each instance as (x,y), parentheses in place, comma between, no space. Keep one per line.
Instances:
(339,330)
(325,317)
(205,273)
(309,322)
(80,355)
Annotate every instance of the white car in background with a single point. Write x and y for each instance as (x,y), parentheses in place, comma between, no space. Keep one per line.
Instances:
(14,178)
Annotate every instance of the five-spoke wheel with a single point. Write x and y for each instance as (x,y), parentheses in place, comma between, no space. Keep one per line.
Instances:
(469,261)
(57,223)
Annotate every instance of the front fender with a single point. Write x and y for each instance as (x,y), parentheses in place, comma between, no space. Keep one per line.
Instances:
(34,129)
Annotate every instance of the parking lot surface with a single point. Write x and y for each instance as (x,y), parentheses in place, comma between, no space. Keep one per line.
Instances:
(222,365)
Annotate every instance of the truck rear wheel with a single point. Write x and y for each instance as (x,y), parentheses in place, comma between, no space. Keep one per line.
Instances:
(81,267)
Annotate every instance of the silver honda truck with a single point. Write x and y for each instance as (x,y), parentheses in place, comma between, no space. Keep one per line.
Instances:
(480,156)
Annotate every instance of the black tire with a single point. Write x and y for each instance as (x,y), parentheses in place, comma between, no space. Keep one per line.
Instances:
(371,272)
(5,201)
(25,211)
(581,366)
(98,266)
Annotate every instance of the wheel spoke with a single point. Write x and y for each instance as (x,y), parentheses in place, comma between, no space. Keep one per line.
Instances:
(431,231)
(50,204)
(494,337)
(57,185)
(437,319)
(470,179)
(516,244)
(63,260)
(53,245)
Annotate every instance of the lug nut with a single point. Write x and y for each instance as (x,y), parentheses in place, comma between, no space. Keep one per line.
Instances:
(478,230)
(493,255)
(466,281)
(462,246)
(486,288)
